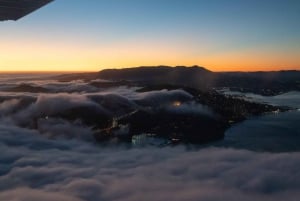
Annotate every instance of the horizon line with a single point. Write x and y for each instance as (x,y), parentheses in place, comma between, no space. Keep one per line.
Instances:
(120,68)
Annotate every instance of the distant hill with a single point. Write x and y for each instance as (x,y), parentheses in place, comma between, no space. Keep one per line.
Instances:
(266,83)
(180,75)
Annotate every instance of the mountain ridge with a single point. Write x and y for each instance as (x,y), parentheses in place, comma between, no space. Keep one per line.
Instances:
(266,83)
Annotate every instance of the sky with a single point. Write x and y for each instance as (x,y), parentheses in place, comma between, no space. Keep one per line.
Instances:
(80,35)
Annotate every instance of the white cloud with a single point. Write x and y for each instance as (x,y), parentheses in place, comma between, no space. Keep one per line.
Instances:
(53,104)
(8,106)
(75,170)
(27,194)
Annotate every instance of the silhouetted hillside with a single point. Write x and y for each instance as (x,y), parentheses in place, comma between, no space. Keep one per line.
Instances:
(266,83)
(28,88)
(180,75)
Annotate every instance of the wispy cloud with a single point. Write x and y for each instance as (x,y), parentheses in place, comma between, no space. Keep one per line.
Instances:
(74,170)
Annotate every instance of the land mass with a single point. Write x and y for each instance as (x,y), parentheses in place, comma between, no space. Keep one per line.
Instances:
(264,83)
(201,84)
(178,104)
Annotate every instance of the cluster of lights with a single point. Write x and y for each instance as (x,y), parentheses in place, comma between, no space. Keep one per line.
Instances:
(177,103)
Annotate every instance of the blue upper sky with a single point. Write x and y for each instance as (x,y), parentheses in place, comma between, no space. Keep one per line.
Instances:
(119,33)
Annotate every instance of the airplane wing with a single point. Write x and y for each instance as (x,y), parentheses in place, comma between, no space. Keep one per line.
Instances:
(16,9)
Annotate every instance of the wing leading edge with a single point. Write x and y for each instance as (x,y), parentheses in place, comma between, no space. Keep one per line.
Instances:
(16,9)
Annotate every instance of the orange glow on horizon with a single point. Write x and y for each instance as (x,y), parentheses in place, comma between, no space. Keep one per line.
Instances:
(51,57)
(74,67)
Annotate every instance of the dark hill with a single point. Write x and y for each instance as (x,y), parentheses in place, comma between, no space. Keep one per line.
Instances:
(28,88)
(180,75)
(266,83)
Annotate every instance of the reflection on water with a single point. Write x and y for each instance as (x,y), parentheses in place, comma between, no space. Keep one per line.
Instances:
(274,132)
(267,133)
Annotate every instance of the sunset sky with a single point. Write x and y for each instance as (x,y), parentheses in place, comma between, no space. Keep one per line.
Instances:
(222,35)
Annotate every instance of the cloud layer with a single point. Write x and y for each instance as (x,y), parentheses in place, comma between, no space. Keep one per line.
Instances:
(34,168)
(74,115)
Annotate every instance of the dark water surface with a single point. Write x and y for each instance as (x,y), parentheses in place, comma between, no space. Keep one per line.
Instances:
(276,132)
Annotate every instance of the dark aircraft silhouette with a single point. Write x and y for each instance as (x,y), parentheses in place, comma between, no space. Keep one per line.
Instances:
(16,9)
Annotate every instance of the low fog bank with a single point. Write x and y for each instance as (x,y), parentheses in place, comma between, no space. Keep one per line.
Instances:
(81,110)
(47,116)
(77,115)
(33,168)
